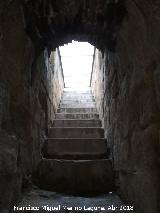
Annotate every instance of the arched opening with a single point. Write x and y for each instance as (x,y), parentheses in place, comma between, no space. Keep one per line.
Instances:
(77,60)
(96,22)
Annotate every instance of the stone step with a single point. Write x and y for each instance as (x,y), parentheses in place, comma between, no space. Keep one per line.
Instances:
(75,148)
(69,99)
(75,101)
(77,116)
(88,92)
(77,123)
(76,132)
(83,177)
(78,96)
(78,105)
(77,110)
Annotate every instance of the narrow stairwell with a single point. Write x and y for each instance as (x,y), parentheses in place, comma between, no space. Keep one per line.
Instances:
(76,154)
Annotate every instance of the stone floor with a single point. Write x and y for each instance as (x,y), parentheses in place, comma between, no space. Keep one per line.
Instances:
(46,201)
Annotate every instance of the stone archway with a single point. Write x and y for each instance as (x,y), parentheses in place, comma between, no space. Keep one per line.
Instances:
(54,23)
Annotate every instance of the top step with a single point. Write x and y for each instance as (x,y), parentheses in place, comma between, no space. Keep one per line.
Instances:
(77,89)
(76,93)
(68,97)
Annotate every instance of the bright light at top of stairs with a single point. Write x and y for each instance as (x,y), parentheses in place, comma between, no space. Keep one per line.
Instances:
(77,59)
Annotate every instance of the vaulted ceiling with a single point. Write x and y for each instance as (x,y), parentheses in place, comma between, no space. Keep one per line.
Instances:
(53,23)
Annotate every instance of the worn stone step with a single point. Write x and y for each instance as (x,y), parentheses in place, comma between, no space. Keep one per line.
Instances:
(79,96)
(88,92)
(70,99)
(82,102)
(77,110)
(63,148)
(78,105)
(78,99)
(76,132)
(77,116)
(77,123)
(84,177)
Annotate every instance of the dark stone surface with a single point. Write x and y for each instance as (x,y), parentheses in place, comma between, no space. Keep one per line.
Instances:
(54,23)
(10,175)
(37,198)
(26,109)
(131,105)
(76,177)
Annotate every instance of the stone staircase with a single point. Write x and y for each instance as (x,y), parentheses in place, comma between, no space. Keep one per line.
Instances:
(76,154)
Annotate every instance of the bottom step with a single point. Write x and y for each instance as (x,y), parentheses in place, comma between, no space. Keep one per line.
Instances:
(78,177)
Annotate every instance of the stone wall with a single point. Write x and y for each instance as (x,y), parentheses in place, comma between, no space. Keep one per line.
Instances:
(25,103)
(16,56)
(97,82)
(47,87)
(133,95)
(131,105)
(58,79)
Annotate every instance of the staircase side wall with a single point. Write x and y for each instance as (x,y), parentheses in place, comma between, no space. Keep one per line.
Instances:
(97,82)
(57,81)
(18,131)
(131,105)
(26,103)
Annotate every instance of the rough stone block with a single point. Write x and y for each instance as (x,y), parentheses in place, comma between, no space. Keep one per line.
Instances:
(75,148)
(78,132)
(76,177)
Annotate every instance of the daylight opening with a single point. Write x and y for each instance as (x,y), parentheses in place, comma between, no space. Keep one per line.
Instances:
(77,59)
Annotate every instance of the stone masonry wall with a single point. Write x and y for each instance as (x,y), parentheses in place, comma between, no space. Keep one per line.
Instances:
(131,106)
(16,57)
(48,87)
(58,79)
(97,82)
(25,103)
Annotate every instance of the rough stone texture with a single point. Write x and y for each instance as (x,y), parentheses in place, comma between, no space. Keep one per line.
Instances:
(53,23)
(76,177)
(81,148)
(58,80)
(97,82)
(16,51)
(76,132)
(134,100)
(77,123)
(10,174)
(47,87)
(131,105)
(25,103)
